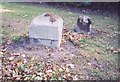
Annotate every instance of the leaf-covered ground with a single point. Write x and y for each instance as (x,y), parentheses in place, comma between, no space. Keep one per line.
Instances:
(80,56)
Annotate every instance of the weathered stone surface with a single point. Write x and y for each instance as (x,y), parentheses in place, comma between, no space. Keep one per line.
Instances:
(44,31)
(83,24)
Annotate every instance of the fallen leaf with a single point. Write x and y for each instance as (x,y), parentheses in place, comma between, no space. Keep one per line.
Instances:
(70,65)
(75,77)
(89,64)
(15,54)
(11,58)
(18,77)
(49,72)
(19,63)
(23,55)
(38,78)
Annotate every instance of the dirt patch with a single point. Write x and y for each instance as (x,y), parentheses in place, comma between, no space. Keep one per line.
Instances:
(63,54)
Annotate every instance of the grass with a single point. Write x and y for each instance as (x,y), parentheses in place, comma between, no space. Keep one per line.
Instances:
(21,10)
(96,47)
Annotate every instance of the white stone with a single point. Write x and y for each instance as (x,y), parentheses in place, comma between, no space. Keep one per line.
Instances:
(44,32)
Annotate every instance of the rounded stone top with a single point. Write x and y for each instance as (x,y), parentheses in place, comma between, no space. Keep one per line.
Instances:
(84,18)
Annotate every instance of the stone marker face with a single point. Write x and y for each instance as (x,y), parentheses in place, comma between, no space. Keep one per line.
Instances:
(46,30)
(83,24)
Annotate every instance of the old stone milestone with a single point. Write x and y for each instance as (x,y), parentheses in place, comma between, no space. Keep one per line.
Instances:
(83,24)
(46,29)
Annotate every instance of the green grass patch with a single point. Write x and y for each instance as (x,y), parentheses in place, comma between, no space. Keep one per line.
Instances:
(28,12)
(15,37)
(82,40)
(102,75)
